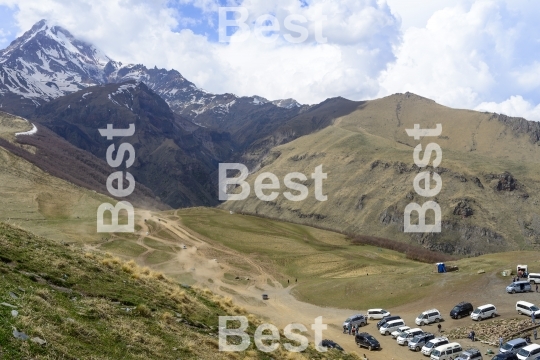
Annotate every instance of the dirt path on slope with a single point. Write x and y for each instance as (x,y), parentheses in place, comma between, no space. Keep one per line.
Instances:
(280,309)
(204,260)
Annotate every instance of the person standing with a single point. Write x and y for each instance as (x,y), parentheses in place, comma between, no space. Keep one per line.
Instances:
(500,341)
(472,335)
(533,318)
(439,327)
(350,328)
(534,334)
(536,287)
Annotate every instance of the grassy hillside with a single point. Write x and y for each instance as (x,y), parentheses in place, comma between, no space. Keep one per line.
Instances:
(45,204)
(489,197)
(331,271)
(76,301)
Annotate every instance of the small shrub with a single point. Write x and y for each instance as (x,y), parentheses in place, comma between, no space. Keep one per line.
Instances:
(157,275)
(167,317)
(129,267)
(143,310)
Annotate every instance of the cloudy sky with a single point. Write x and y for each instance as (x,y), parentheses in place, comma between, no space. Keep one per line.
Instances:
(482,54)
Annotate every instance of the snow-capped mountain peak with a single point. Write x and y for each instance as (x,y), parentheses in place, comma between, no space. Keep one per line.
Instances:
(47,62)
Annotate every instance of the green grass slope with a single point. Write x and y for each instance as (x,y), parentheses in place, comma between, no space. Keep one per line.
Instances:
(334,272)
(76,301)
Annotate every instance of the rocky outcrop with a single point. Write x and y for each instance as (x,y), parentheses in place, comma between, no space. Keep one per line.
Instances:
(360,204)
(463,209)
(455,237)
(520,126)
(503,182)
(490,331)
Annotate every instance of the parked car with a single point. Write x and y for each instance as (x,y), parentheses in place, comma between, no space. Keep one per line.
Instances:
(513,346)
(527,308)
(387,318)
(433,344)
(529,352)
(391,326)
(428,317)
(331,344)
(484,312)
(367,341)
(446,352)
(470,354)
(354,320)
(460,310)
(519,286)
(534,278)
(418,342)
(377,314)
(408,335)
(506,356)
(399,331)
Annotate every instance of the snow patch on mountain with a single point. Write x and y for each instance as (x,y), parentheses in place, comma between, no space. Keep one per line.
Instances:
(47,62)
(29,132)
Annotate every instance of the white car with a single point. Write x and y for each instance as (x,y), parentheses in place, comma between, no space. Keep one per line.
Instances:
(433,344)
(377,314)
(391,326)
(529,352)
(446,352)
(428,317)
(399,331)
(484,312)
(404,338)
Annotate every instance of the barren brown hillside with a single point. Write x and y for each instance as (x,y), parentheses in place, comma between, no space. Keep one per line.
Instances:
(489,197)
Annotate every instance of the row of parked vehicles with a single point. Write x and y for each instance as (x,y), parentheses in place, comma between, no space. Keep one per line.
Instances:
(437,348)
(440,348)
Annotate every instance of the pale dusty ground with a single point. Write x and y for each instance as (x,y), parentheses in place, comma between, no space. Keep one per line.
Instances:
(282,308)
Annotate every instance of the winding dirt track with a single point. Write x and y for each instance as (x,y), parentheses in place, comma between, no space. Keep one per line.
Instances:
(282,308)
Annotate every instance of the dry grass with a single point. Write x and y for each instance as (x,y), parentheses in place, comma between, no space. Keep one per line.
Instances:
(143,310)
(369,161)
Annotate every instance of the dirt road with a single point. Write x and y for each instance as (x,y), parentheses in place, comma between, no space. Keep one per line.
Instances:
(282,308)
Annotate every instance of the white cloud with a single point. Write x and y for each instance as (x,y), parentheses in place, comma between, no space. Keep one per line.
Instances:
(471,53)
(528,77)
(416,13)
(460,54)
(360,37)
(3,36)
(514,106)
(360,33)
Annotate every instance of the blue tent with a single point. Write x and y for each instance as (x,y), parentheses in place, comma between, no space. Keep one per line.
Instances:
(441,268)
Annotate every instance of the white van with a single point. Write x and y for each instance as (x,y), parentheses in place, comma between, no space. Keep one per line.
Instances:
(527,308)
(534,278)
(433,344)
(390,326)
(484,312)
(428,317)
(529,352)
(399,331)
(377,314)
(404,338)
(446,352)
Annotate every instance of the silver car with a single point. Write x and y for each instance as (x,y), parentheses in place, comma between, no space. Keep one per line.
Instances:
(354,320)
